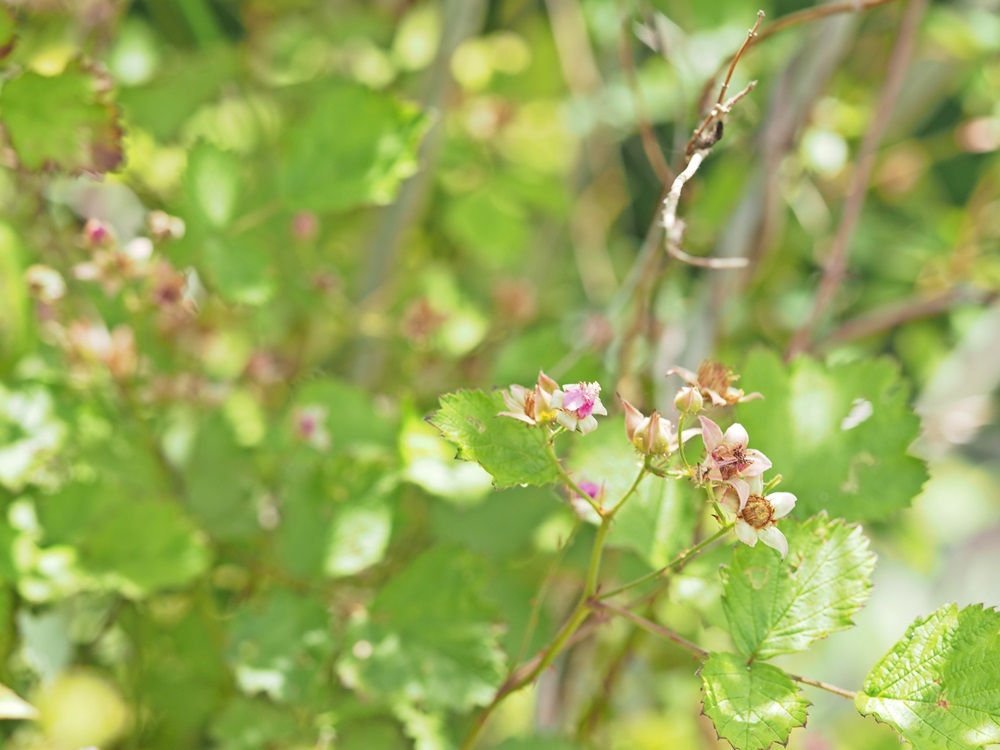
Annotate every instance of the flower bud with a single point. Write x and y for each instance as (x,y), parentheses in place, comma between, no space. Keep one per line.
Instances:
(689,400)
(650,435)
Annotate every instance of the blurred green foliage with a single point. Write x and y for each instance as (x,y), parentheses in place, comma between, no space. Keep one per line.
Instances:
(245,244)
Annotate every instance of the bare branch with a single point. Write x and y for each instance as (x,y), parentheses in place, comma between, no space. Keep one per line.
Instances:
(649,143)
(836,265)
(674,226)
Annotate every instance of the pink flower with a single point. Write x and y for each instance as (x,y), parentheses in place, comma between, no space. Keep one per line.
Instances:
(577,405)
(729,461)
(755,517)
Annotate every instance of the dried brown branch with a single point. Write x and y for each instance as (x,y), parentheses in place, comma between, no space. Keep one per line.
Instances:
(836,265)
(807,15)
(674,226)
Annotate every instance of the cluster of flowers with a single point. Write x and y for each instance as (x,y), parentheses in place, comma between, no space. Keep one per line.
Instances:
(729,467)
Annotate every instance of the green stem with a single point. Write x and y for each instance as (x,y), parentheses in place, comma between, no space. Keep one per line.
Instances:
(576,618)
(680,443)
(678,561)
(569,481)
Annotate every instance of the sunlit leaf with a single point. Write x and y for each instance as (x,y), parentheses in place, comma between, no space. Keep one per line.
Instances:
(752,706)
(777,606)
(938,684)
(511,451)
(428,637)
(213,183)
(355,147)
(63,122)
(838,435)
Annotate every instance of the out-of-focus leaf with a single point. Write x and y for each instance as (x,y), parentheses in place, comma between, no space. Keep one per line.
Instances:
(8,31)
(30,436)
(838,435)
(429,637)
(213,183)
(279,645)
(938,685)
(135,545)
(359,535)
(429,462)
(63,122)
(13,297)
(777,606)
(253,723)
(752,706)
(511,451)
(355,147)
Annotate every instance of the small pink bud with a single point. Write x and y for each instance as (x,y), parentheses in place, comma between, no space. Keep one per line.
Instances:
(97,234)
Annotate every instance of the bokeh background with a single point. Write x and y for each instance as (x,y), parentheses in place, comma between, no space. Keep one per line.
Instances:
(244,246)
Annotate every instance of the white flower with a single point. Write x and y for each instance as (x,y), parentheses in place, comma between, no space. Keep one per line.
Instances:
(755,518)
(577,405)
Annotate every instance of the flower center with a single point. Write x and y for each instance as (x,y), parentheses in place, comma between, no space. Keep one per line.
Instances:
(731,465)
(758,512)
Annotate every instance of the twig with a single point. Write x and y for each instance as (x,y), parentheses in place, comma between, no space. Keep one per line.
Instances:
(824,686)
(675,227)
(797,18)
(715,114)
(892,315)
(836,265)
(652,627)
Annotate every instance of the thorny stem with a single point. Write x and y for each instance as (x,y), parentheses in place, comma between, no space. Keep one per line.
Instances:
(677,562)
(521,678)
(569,481)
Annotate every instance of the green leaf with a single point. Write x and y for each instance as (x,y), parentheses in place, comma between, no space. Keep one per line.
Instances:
(777,606)
(63,122)
(752,706)
(135,545)
(356,147)
(280,643)
(429,462)
(659,518)
(213,183)
(429,638)
(838,434)
(359,536)
(8,31)
(938,685)
(511,451)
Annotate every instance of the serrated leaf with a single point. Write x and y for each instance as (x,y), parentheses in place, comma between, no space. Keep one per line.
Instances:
(429,639)
(64,121)
(511,451)
(752,706)
(938,685)
(355,147)
(777,606)
(838,434)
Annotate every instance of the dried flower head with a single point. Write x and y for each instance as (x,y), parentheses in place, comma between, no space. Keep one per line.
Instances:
(755,519)
(715,383)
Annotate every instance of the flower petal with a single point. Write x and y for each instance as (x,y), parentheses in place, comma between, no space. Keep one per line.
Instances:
(782,502)
(587,424)
(759,463)
(523,417)
(730,500)
(736,435)
(566,419)
(745,532)
(711,433)
(599,408)
(774,539)
(742,490)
